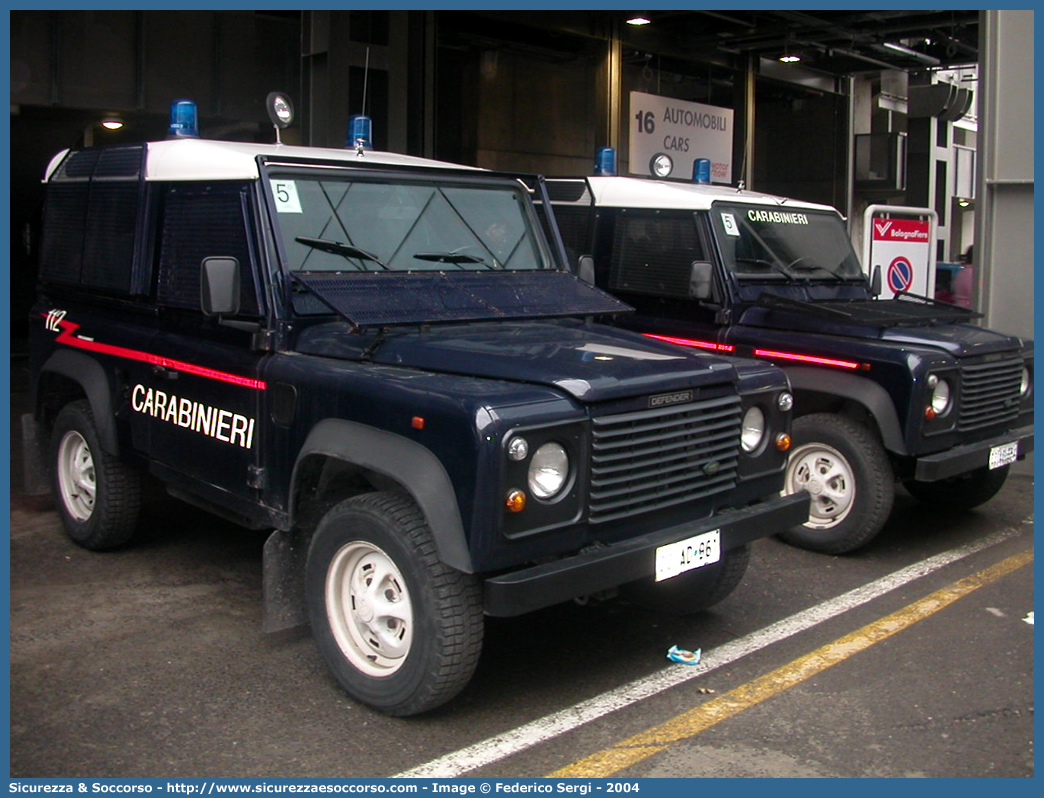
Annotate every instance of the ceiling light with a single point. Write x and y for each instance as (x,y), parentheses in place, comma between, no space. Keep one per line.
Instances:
(899,48)
(924,58)
(790,59)
(112,124)
(639,20)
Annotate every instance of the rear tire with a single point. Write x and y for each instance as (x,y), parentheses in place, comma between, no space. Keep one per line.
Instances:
(849,478)
(400,630)
(960,493)
(694,591)
(98,497)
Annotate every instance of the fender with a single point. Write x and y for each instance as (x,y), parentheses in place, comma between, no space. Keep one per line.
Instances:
(858,389)
(89,375)
(408,463)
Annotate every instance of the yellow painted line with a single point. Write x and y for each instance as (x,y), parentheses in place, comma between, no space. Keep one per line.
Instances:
(684,726)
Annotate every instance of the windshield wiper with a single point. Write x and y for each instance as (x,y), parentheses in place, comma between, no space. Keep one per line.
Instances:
(339,248)
(772,265)
(818,267)
(455,258)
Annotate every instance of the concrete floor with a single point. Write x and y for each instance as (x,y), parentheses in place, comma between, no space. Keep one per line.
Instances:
(150,662)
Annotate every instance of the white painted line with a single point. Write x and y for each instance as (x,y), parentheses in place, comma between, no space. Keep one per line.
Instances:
(517,740)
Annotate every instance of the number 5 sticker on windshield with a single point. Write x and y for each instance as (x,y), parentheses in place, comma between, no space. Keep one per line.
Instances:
(729,223)
(285,193)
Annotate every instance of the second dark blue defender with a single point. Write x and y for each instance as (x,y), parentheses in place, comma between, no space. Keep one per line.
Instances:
(901,389)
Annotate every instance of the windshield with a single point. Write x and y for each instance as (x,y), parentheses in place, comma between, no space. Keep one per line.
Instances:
(337,223)
(784,244)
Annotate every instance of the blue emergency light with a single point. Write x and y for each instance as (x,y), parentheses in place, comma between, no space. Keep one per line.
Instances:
(360,132)
(183,120)
(701,170)
(605,163)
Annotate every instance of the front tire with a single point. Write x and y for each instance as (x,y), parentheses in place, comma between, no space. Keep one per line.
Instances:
(964,492)
(98,496)
(847,474)
(693,591)
(400,630)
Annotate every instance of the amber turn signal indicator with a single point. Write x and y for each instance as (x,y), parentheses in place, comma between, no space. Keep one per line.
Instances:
(783,442)
(516,501)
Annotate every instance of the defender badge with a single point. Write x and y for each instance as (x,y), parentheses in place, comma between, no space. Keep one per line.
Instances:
(665,399)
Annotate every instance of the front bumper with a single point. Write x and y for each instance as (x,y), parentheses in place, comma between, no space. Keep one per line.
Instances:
(589,572)
(962,459)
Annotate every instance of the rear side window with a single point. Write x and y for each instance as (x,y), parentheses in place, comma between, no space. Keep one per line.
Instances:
(200,221)
(653,254)
(91,218)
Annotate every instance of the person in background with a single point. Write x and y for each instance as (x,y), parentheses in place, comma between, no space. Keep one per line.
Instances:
(961,285)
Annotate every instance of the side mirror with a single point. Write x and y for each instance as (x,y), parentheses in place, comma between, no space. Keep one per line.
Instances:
(701,280)
(585,269)
(219,286)
(875,281)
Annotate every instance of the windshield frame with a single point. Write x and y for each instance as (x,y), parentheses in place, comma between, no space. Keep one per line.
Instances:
(782,269)
(531,231)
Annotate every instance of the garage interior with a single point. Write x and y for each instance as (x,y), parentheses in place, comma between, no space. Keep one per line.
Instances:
(848,108)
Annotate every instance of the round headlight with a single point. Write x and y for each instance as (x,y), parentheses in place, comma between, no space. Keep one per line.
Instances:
(753,429)
(548,470)
(1024,386)
(940,396)
(661,165)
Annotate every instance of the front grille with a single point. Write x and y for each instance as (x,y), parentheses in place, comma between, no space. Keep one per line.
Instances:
(649,459)
(989,393)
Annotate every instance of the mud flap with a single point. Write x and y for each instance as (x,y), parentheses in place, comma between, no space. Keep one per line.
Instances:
(283,580)
(36,477)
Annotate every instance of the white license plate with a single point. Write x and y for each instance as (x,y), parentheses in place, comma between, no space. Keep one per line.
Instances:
(685,555)
(1004,455)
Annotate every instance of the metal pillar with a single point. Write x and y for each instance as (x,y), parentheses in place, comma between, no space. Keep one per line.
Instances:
(1004,198)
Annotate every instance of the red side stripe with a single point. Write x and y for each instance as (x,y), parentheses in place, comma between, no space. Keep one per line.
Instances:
(822,361)
(690,342)
(66,337)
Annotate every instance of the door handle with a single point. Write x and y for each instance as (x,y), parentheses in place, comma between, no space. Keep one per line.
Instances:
(164,372)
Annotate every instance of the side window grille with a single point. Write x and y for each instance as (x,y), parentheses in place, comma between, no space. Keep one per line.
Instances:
(64,222)
(200,222)
(653,254)
(90,219)
(572,224)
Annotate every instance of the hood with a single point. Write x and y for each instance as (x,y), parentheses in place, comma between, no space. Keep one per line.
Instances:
(899,322)
(590,362)
(959,340)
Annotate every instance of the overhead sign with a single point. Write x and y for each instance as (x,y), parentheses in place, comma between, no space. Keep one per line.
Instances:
(902,247)
(667,136)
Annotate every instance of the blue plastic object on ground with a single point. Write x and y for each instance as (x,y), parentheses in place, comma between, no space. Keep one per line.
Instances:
(675,654)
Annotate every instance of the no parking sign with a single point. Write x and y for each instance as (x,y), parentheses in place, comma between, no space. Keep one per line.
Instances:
(900,241)
(900,275)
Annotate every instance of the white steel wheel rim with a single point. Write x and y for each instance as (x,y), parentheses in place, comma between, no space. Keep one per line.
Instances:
(77,479)
(369,609)
(825,473)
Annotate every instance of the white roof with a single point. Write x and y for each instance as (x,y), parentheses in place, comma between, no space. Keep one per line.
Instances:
(636,192)
(206,159)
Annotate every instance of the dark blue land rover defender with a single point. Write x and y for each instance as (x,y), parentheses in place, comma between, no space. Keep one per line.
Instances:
(901,389)
(385,361)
